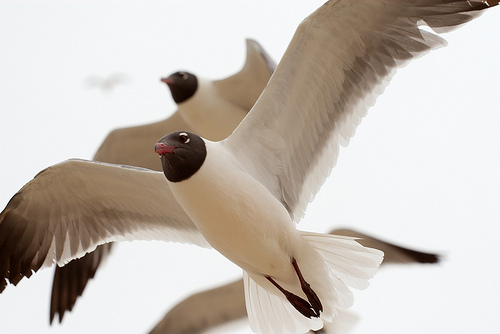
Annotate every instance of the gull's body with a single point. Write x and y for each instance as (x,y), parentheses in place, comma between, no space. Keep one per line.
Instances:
(244,221)
(215,196)
(288,143)
(238,216)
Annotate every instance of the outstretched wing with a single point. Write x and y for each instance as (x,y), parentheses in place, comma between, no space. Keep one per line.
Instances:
(133,145)
(70,208)
(339,60)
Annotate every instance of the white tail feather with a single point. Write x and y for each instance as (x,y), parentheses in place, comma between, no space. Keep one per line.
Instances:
(348,263)
(353,263)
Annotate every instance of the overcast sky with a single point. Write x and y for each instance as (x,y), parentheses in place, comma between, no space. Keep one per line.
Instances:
(421,171)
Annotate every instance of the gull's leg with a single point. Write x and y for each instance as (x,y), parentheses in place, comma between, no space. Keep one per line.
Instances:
(306,287)
(300,304)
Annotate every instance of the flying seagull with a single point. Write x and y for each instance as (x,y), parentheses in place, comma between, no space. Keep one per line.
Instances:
(207,309)
(283,151)
(211,108)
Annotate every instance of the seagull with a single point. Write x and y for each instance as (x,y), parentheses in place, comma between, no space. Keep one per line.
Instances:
(211,108)
(207,111)
(244,194)
(217,107)
(214,307)
(231,200)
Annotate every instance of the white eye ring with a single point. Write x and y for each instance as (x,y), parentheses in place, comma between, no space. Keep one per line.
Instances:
(184,138)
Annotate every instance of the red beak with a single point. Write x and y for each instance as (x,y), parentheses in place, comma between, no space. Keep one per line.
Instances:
(169,81)
(162,149)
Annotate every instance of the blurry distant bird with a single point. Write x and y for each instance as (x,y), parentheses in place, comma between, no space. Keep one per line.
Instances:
(106,84)
(213,108)
(242,195)
(214,307)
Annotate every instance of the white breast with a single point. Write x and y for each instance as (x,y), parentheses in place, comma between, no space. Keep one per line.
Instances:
(237,215)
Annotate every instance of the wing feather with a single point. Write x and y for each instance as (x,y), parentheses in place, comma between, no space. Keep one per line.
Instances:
(70,208)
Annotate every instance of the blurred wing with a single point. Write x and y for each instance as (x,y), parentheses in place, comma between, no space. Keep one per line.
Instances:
(205,310)
(339,60)
(392,253)
(245,87)
(70,208)
(134,145)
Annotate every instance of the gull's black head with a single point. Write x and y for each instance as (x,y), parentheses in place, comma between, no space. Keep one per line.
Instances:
(182,85)
(182,153)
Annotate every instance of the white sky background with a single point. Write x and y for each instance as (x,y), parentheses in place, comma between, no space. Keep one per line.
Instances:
(421,171)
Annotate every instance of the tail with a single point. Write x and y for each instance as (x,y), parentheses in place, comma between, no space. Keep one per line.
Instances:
(344,263)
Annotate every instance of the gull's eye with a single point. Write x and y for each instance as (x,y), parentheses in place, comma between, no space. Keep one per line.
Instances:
(184,138)
(183,75)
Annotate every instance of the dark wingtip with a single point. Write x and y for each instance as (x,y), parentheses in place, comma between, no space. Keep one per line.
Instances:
(393,253)
(420,257)
(71,280)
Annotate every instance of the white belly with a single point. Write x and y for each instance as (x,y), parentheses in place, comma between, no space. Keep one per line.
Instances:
(239,217)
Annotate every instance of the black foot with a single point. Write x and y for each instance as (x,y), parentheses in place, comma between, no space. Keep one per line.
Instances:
(306,287)
(300,304)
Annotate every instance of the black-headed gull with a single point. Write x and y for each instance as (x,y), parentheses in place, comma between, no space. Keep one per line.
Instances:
(213,110)
(217,107)
(340,58)
(225,102)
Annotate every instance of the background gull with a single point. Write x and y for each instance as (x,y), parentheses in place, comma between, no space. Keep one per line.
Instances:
(131,146)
